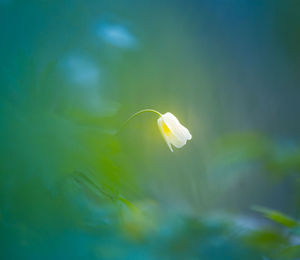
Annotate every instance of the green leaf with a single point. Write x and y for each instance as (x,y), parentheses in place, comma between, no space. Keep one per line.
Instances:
(93,186)
(277,216)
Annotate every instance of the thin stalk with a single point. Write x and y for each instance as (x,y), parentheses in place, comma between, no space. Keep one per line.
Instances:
(136,114)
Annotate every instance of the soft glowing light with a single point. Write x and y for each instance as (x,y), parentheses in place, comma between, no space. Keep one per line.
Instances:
(81,70)
(117,35)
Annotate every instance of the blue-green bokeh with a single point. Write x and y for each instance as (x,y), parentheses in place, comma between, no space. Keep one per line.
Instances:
(72,72)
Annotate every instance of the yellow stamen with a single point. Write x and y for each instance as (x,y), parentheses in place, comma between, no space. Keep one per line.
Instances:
(166,129)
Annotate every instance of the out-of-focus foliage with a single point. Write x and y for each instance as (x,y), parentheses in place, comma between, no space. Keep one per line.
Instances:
(278,217)
(73,187)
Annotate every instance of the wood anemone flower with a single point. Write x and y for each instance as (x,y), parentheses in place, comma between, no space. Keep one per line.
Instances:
(171,129)
(173,132)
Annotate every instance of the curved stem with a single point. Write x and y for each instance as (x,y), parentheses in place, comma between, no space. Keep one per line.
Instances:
(138,113)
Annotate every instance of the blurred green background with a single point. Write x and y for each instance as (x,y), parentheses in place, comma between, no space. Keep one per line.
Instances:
(72,72)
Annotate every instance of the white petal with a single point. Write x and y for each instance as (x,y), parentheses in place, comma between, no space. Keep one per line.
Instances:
(174,140)
(186,132)
(160,126)
(173,132)
(176,128)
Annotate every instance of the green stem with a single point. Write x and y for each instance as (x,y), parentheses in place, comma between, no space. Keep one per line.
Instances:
(138,113)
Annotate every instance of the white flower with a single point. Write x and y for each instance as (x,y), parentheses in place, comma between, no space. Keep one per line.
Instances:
(173,132)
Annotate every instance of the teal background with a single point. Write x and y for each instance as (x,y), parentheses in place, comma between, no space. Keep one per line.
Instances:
(72,72)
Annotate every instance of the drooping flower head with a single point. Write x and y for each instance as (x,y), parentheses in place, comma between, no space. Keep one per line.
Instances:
(173,132)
